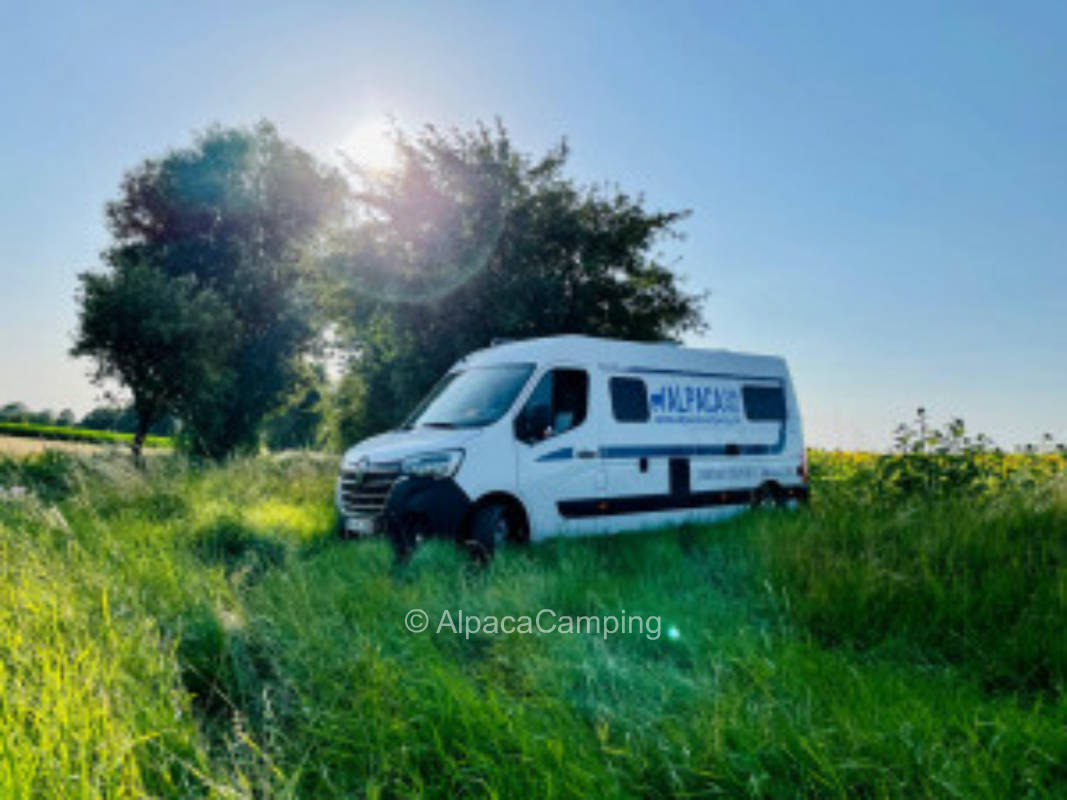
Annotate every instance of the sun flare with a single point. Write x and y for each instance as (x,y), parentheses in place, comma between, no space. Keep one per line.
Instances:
(370,145)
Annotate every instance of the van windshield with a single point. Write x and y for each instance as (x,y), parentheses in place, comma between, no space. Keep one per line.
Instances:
(470,398)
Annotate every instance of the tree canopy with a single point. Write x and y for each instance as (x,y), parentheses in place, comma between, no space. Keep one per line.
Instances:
(470,240)
(230,260)
(154,334)
(204,309)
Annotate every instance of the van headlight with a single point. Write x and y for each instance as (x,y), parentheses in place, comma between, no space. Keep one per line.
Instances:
(440,464)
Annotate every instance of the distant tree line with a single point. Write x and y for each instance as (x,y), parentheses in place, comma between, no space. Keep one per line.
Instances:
(20,412)
(238,264)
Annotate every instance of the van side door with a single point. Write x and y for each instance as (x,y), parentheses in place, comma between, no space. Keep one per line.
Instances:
(557,451)
(631,447)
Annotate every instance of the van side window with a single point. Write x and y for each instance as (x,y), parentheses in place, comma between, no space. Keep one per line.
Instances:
(764,403)
(629,399)
(556,405)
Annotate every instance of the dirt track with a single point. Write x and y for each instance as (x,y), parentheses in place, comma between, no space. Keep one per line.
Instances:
(21,446)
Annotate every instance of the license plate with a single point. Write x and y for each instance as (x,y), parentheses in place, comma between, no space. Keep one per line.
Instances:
(360,526)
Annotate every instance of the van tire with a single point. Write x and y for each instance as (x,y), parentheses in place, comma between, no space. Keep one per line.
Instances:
(405,533)
(768,496)
(493,525)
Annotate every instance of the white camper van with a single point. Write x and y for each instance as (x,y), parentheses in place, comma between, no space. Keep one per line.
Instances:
(571,435)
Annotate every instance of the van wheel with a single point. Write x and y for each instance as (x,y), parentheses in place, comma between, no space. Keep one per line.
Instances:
(493,525)
(767,496)
(405,533)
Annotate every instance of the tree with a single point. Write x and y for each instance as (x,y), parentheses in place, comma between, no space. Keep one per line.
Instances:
(156,335)
(46,417)
(470,240)
(227,224)
(298,421)
(15,412)
(106,418)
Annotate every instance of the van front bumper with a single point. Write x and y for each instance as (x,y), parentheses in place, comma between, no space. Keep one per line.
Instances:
(425,507)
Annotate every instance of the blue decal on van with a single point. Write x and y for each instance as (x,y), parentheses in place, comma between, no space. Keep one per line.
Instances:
(656,399)
(696,403)
(558,455)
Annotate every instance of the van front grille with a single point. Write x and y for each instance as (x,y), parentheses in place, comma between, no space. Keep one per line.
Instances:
(364,493)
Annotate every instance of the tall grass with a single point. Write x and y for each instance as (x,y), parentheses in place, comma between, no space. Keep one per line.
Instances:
(190,632)
(740,704)
(90,703)
(102,598)
(980,584)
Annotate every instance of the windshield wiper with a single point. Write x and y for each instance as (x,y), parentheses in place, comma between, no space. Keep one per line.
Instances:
(440,425)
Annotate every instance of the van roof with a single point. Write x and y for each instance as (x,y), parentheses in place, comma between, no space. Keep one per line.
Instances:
(624,355)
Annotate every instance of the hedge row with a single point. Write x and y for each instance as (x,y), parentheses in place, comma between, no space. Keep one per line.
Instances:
(33,431)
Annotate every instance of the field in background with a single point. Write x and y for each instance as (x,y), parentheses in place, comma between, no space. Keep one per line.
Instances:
(58,433)
(193,632)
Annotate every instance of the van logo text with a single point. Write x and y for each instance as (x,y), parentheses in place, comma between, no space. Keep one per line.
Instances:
(694,403)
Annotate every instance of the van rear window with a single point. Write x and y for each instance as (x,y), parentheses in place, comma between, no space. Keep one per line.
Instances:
(764,403)
(629,399)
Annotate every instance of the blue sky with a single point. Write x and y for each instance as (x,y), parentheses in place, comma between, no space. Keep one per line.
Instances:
(879,190)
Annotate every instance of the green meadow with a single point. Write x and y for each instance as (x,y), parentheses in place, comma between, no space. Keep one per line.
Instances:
(184,632)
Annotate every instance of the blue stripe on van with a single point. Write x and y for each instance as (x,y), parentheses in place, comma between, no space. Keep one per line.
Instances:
(677,451)
(648,503)
(558,455)
(682,450)
(674,451)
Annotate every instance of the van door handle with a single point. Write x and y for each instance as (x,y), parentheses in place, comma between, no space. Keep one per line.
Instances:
(586,454)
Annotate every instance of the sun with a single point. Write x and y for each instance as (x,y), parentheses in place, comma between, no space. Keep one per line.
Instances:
(369,144)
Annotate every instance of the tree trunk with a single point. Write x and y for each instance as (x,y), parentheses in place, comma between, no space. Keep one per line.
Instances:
(144,422)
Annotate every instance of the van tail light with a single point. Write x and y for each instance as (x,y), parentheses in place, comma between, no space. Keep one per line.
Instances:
(802,470)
